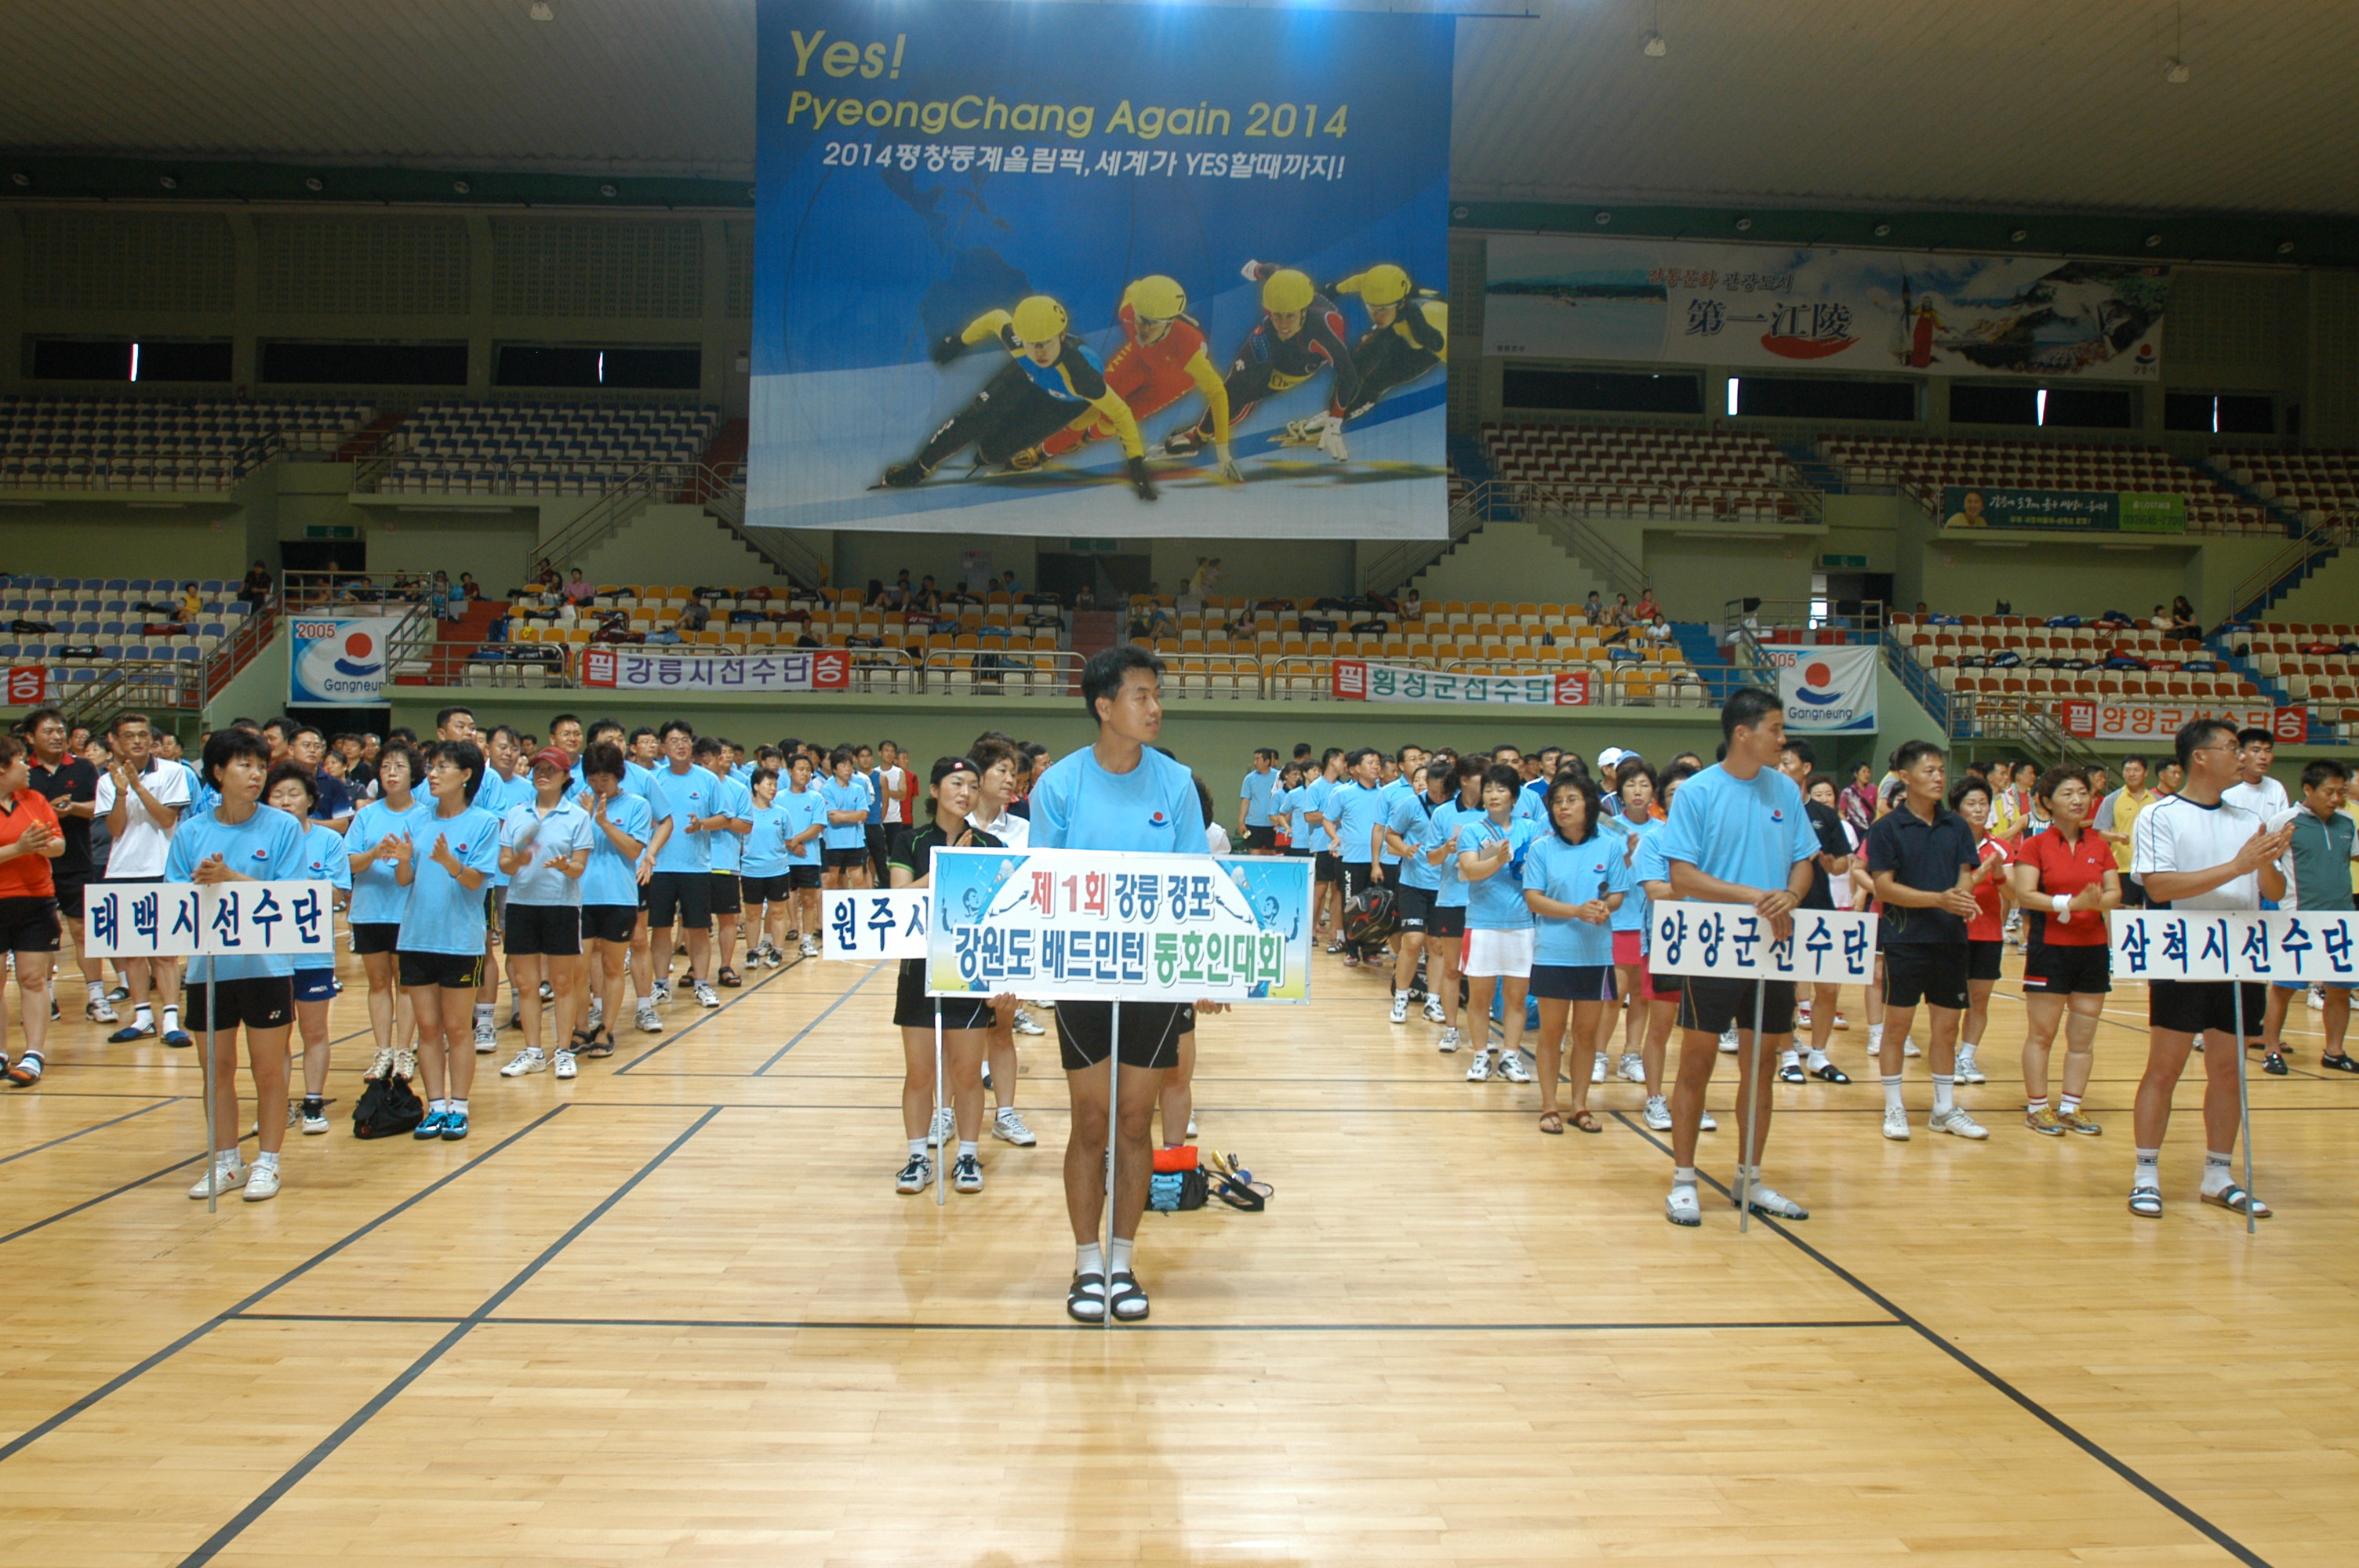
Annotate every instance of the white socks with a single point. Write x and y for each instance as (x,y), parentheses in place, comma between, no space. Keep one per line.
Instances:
(1944,1084)
(2149,1173)
(968,1148)
(1118,1257)
(1875,1036)
(1892,1092)
(2217,1168)
(1088,1258)
(917,1147)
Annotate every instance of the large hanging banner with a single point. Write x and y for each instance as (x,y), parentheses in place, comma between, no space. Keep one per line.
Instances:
(1827,689)
(2063,511)
(1768,307)
(336,661)
(1357,680)
(622,669)
(1002,251)
(2104,719)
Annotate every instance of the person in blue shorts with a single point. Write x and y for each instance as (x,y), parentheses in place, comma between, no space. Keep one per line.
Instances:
(239,839)
(1575,878)
(1118,793)
(294,790)
(1738,836)
(452,856)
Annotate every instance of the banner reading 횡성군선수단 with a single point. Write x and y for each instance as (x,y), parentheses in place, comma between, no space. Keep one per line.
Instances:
(1181,210)
(1086,925)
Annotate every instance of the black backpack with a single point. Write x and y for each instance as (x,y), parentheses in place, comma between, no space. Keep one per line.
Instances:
(388,1107)
(1370,919)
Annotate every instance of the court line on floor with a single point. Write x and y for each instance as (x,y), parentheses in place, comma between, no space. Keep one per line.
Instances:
(862,1325)
(778,973)
(2030,1406)
(35,1434)
(799,1034)
(95,1127)
(245,1517)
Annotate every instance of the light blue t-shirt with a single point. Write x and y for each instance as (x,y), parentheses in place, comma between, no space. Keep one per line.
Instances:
(1574,873)
(612,877)
(498,797)
(1259,792)
(1747,831)
(1633,835)
(445,915)
(326,858)
(800,812)
(765,846)
(267,847)
(1355,811)
(1496,902)
(378,897)
(1410,815)
(1400,789)
(1449,888)
(1532,807)
(1152,809)
(1649,866)
(563,829)
(682,798)
(636,779)
(1312,796)
(723,845)
(850,796)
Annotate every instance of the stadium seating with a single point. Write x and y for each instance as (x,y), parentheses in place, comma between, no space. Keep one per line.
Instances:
(1929,463)
(2318,485)
(1957,655)
(1641,471)
(538,448)
(2326,682)
(99,614)
(146,443)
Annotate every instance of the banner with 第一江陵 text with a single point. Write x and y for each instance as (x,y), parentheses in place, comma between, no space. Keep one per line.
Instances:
(2283,946)
(1099,270)
(1086,925)
(1736,942)
(621,668)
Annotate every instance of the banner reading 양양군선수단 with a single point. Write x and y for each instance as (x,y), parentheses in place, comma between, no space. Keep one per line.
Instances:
(1086,925)
(925,169)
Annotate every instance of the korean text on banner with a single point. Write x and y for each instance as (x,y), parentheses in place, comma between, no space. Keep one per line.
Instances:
(178,920)
(1731,941)
(876,924)
(2094,719)
(2286,946)
(1080,925)
(335,661)
(1357,679)
(2063,511)
(1827,689)
(1141,196)
(28,685)
(1777,308)
(634,669)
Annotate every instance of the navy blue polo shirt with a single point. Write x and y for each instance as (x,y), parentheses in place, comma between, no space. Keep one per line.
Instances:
(1926,856)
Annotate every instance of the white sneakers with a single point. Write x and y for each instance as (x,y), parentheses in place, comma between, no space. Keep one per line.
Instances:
(528,1060)
(262,1182)
(1008,1128)
(486,1038)
(1956,1121)
(561,1064)
(1681,1208)
(807,948)
(1026,1025)
(1511,1067)
(648,1021)
(1479,1070)
(1659,1113)
(1451,1039)
(944,1130)
(1896,1123)
(706,996)
(228,1173)
(1597,1066)
(1968,1072)
(1433,1014)
(1400,1007)
(1633,1069)
(1728,1043)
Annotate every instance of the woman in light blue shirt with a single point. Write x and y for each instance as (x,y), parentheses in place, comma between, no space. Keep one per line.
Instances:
(1445,925)
(1498,921)
(610,893)
(452,852)
(545,847)
(1575,880)
(375,843)
(326,858)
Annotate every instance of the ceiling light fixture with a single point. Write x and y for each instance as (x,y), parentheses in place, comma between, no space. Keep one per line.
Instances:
(605,191)
(1882,230)
(1744,225)
(2285,248)
(1655,49)
(2020,235)
(539,12)
(311,182)
(1604,218)
(169,183)
(2152,241)
(2174,68)
(20,178)
(460,186)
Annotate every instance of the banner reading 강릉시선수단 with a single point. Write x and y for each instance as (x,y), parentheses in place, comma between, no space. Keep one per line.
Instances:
(1085,925)
(941,182)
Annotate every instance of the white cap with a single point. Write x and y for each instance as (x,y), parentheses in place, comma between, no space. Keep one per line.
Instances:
(1607,758)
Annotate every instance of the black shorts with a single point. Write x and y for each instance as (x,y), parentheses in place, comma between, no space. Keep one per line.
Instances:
(913,1009)
(1151,1032)
(450,971)
(726,898)
(267,1001)
(1717,1006)
(495,913)
(679,898)
(1983,959)
(1413,907)
(1576,982)
(843,860)
(1933,973)
(1664,985)
(763,889)
(1262,838)
(549,930)
(2204,1007)
(896,841)
(2068,971)
(28,924)
(1450,922)
(610,923)
(68,894)
(1293,853)
(800,877)
(376,937)
(1326,868)
(2133,892)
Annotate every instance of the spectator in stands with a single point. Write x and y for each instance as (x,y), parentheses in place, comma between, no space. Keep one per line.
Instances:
(2182,620)
(580,590)
(1011,589)
(545,577)
(898,594)
(1412,603)
(470,589)
(192,604)
(928,598)
(1592,608)
(694,616)
(1646,609)
(1244,625)
(2159,620)
(256,589)
(448,602)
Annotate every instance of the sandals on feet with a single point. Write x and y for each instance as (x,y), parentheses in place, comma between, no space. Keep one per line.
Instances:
(1085,1302)
(1128,1301)
(2146,1203)
(601,1046)
(1586,1122)
(1832,1073)
(1791,1073)
(2235,1199)
(1552,1123)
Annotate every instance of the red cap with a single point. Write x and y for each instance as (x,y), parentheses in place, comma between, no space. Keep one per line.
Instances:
(552,757)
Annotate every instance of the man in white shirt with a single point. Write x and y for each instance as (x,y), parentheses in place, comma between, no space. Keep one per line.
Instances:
(2197,850)
(2254,790)
(140,798)
(893,784)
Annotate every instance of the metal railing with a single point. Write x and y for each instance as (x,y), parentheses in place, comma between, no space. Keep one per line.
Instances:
(357,593)
(2337,531)
(1565,513)
(1811,618)
(162,685)
(2028,723)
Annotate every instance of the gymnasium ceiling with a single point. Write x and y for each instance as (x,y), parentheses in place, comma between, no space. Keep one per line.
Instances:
(1884,105)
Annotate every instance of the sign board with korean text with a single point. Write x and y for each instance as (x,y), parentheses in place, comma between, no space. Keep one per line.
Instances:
(2063,511)
(179,920)
(1731,942)
(1358,680)
(2285,945)
(875,924)
(28,685)
(2096,719)
(620,668)
(1085,924)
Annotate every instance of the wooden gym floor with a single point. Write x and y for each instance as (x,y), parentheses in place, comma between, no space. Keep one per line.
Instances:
(673,1312)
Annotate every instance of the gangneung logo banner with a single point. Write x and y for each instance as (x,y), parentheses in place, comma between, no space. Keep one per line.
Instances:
(1125,270)
(1763,307)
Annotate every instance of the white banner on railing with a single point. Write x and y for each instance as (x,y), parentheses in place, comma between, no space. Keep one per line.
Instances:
(1731,942)
(2233,945)
(627,668)
(1359,680)
(178,920)
(874,925)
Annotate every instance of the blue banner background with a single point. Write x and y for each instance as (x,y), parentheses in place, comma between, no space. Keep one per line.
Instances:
(859,264)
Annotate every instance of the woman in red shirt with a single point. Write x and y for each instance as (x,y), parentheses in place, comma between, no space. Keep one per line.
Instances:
(29,840)
(2067,879)
(1987,933)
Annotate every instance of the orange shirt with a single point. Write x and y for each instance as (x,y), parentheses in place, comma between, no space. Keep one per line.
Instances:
(26,876)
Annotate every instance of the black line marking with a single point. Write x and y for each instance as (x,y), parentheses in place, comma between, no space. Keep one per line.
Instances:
(95,1127)
(34,1433)
(799,1034)
(780,971)
(327,1446)
(857,1326)
(2030,1406)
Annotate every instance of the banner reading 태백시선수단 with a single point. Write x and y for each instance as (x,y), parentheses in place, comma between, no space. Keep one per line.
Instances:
(1764,307)
(1827,689)
(2063,511)
(1083,925)
(1359,680)
(943,182)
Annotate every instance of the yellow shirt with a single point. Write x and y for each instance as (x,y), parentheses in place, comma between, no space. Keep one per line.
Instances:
(2126,816)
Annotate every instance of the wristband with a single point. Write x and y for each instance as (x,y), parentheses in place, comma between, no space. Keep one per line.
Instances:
(2063,903)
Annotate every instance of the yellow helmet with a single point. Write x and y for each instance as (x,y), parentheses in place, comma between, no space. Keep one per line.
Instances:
(1156,298)
(1384,284)
(1285,291)
(1039,319)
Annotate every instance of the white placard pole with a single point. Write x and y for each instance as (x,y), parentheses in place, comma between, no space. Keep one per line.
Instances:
(941,1177)
(1114,1147)
(212,1160)
(2244,1105)
(1745,1154)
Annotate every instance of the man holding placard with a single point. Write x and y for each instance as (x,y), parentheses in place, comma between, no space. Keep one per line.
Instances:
(1737,835)
(1118,793)
(2195,850)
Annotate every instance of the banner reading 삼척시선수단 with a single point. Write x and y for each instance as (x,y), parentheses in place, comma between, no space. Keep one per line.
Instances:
(939,179)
